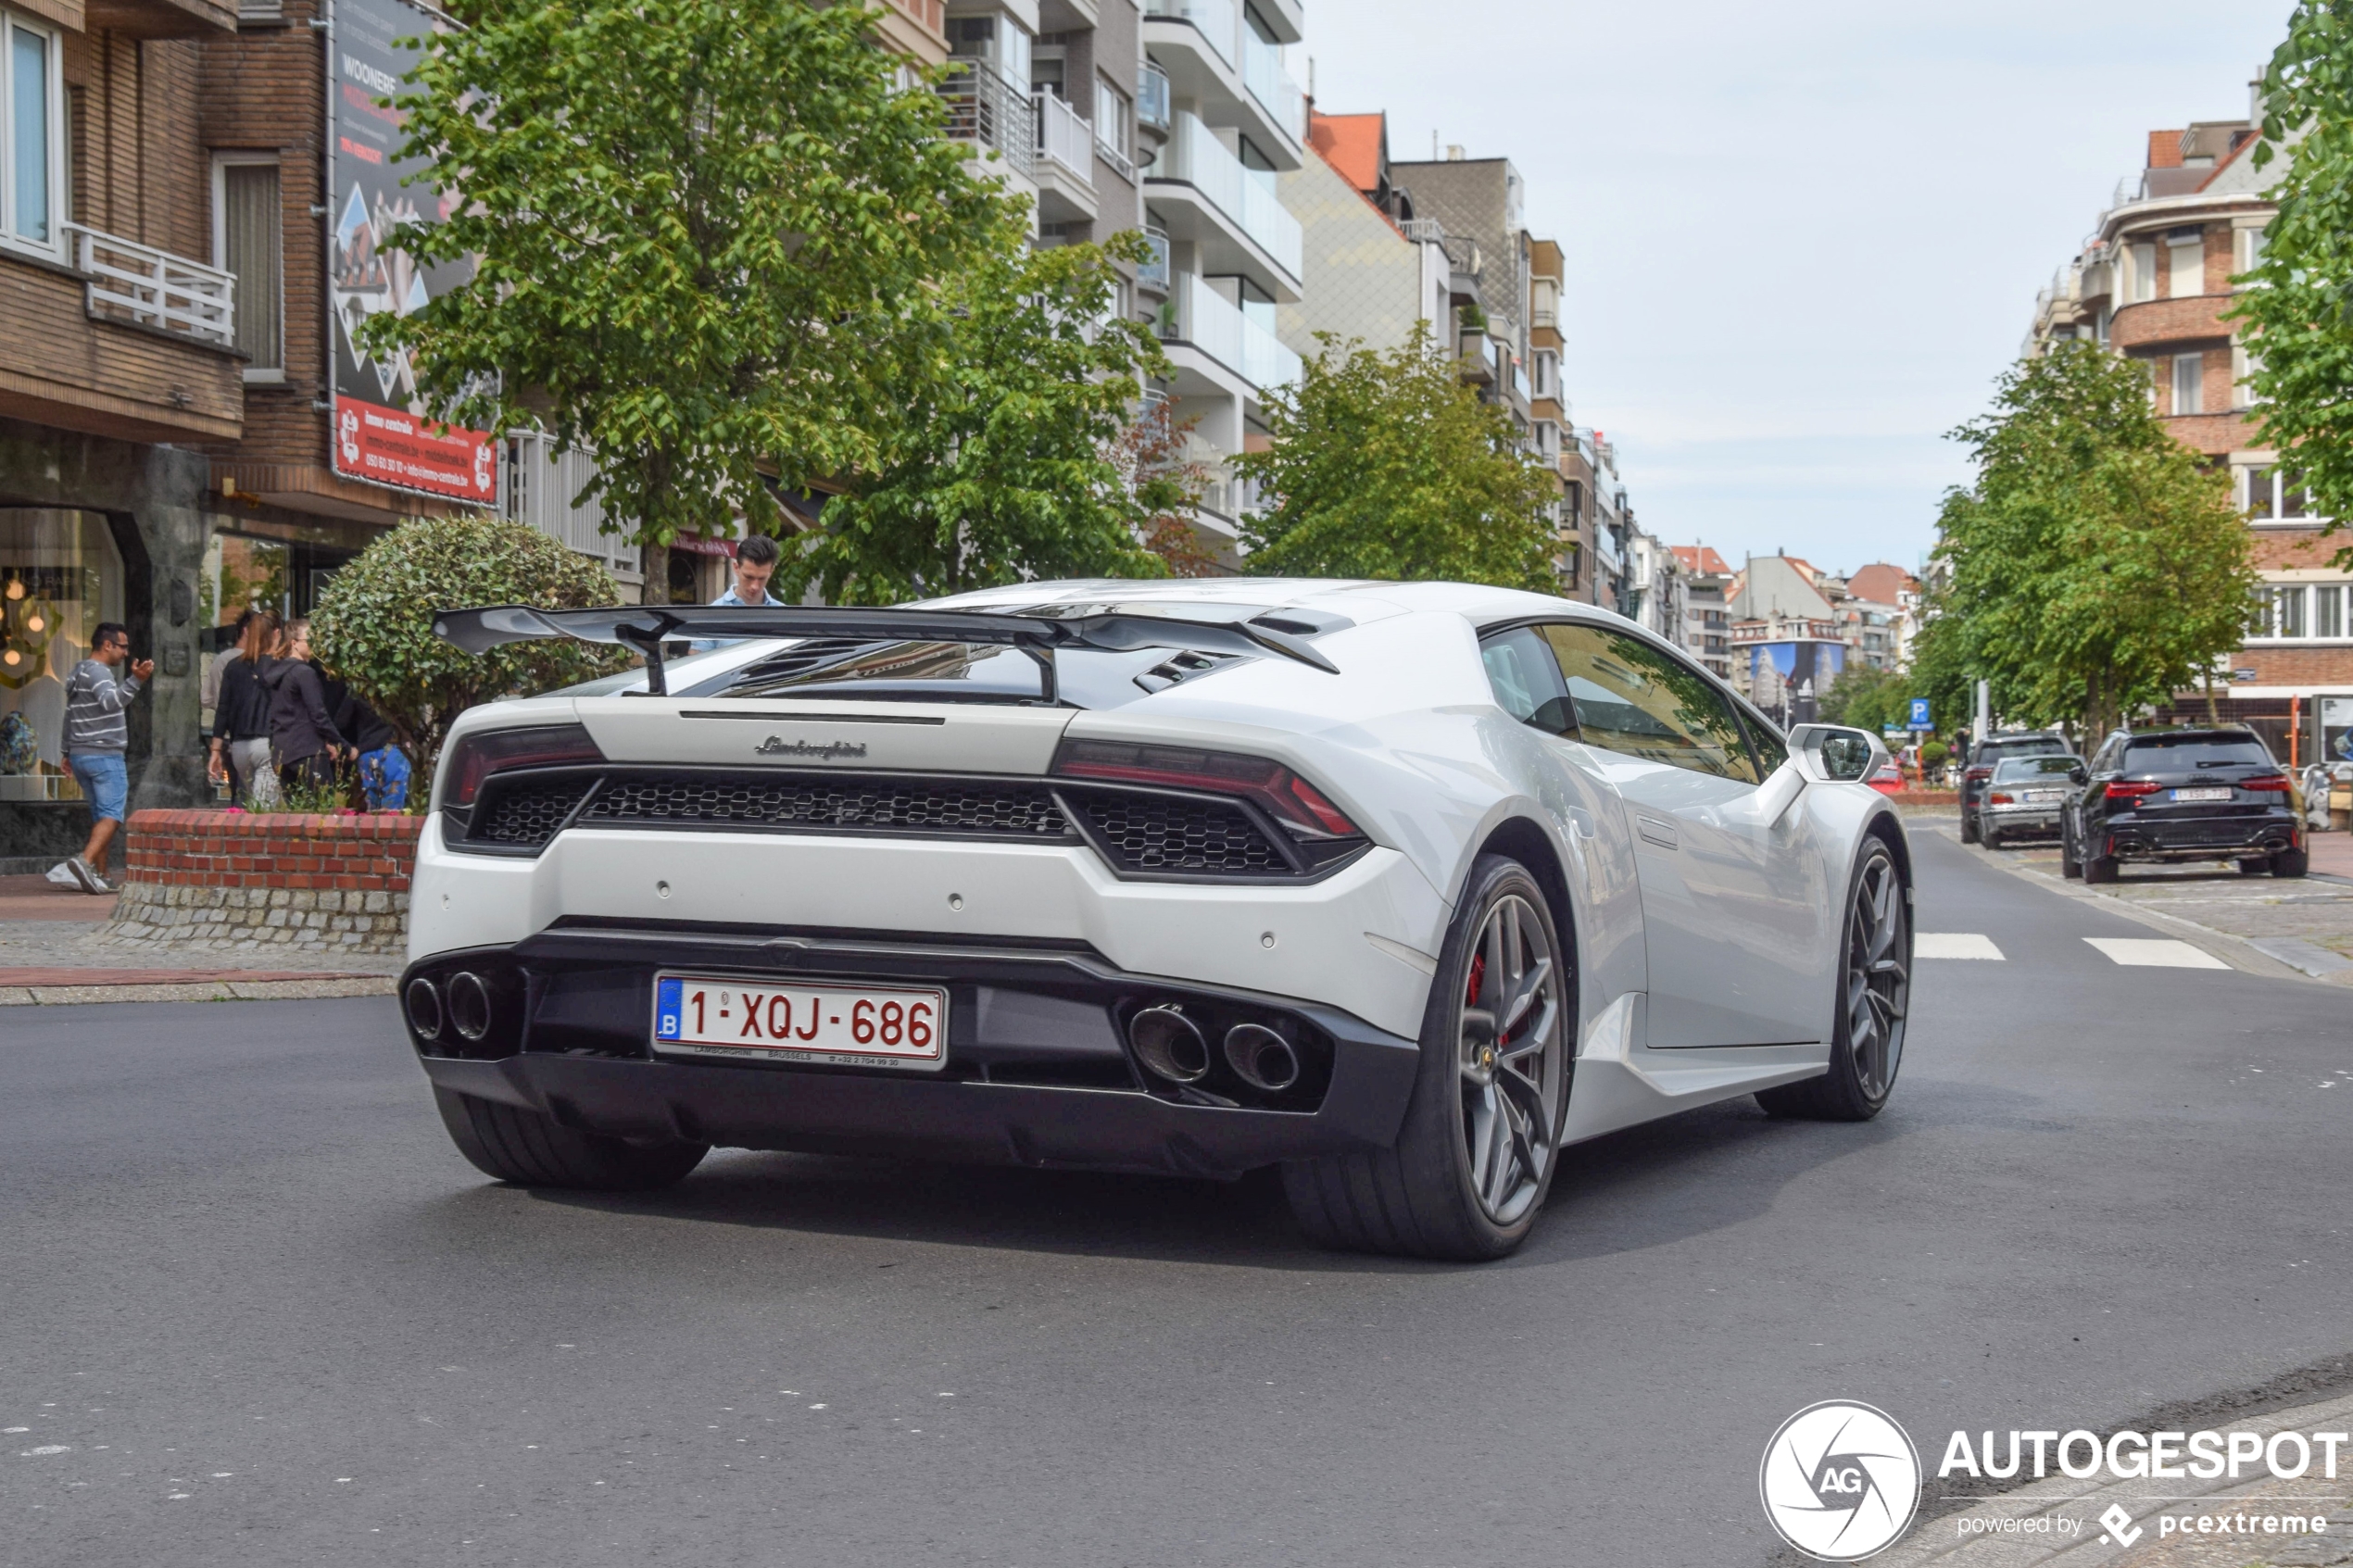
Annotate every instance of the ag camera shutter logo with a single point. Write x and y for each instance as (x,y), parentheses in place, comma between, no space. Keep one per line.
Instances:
(1840,1481)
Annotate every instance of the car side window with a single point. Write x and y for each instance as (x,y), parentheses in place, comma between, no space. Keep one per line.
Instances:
(1526,680)
(1641,701)
(1767,746)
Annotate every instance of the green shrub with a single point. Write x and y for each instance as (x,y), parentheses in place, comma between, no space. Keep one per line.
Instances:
(374,625)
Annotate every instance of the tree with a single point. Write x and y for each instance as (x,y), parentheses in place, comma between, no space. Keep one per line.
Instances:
(373,624)
(1010,467)
(1157,446)
(1867,698)
(711,240)
(1384,465)
(2096,568)
(2300,311)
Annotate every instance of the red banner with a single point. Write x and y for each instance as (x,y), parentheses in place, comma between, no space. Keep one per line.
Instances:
(392,447)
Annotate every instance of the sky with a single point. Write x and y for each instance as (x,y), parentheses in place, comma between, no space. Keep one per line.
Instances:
(1802,238)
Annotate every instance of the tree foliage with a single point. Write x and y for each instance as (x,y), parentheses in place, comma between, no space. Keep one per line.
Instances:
(1384,465)
(1012,465)
(711,238)
(373,624)
(2300,313)
(1867,698)
(2094,568)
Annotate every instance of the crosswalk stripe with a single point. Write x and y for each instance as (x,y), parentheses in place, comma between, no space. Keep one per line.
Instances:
(2158,952)
(1953,945)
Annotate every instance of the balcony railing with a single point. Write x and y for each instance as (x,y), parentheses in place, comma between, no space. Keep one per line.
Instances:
(154,288)
(986,110)
(1064,137)
(1153,272)
(1215,20)
(1423,231)
(1268,82)
(541,482)
(1195,156)
(1153,99)
(1200,315)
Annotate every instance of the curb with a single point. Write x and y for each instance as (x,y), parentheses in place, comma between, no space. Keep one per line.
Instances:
(1943,1541)
(197,991)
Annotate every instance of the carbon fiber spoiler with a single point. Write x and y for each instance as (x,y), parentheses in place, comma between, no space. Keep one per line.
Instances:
(647,627)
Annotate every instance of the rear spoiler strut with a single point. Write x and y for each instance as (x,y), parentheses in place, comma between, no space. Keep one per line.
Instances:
(647,627)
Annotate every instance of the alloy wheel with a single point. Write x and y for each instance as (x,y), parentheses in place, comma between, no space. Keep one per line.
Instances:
(1512,1059)
(1879,982)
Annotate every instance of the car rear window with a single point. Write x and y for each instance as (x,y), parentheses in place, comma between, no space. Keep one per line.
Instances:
(2180,754)
(2040,745)
(2016,768)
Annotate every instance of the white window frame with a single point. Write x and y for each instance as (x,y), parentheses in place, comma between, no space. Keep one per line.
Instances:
(221,163)
(2197,397)
(2174,249)
(2144,260)
(60,199)
(1115,128)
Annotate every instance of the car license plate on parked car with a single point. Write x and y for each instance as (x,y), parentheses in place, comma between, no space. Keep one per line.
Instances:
(2043,796)
(837,1025)
(2201,795)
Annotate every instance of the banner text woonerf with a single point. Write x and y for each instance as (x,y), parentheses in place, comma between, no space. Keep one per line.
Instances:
(2200,1456)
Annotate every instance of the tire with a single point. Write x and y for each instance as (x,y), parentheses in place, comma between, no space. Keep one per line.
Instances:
(1874,994)
(2259,866)
(531,1151)
(1475,1156)
(2068,865)
(2099,868)
(1969,828)
(1992,839)
(2291,862)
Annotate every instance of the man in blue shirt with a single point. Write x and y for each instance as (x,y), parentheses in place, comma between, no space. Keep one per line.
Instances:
(755,564)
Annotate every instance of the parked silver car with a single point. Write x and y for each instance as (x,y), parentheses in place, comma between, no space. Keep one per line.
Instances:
(2027,797)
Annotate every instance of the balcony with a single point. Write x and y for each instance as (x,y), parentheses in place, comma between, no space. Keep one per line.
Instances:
(541,482)
(1423,231)
(1218,21)
(1154,271)
(1263,73)
(994,116)
(134,343)
(1479,357)
(1154,102)
(1233,78)
(1065,166)
(1244,227)
(1198,315)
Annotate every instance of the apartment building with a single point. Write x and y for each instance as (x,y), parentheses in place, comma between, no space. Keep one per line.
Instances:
(1659,594)
(1372,270)
(2154,282)
(1707,581)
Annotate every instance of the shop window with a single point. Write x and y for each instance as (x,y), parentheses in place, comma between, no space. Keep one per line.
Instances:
(59,577)
(31,135)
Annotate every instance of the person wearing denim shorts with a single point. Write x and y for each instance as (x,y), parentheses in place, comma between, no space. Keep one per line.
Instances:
(97,738)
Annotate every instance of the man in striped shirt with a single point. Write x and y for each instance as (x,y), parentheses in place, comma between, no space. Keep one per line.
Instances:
(97,738)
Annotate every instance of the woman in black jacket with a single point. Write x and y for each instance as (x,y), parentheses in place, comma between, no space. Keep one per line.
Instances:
(241,716)
(303,737)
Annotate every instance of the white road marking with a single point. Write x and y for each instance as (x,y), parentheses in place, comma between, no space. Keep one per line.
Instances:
(2158,952)
(1953,945)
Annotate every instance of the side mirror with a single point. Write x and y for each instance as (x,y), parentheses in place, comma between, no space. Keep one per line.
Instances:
(2077,775)
(1834,754)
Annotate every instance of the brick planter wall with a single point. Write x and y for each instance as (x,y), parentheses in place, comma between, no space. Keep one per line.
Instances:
(265,880)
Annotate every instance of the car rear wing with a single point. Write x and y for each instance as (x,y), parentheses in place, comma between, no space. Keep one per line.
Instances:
(647,627)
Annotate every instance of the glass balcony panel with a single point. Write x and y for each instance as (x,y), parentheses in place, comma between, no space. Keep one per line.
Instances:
(1268,82)
(1153,270)
(1214,19)
(1153,104)
(1195,156)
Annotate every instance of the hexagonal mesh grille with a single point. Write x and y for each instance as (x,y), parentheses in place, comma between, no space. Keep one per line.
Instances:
(528,812)
(1150,833)
(926,806)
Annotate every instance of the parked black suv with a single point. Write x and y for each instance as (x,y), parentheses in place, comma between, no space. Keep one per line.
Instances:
(1990,751)
(2182,795)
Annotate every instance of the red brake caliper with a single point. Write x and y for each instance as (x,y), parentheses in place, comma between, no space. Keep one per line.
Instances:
(1477,975)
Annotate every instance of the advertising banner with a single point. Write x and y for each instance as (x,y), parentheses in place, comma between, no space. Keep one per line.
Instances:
(381,434)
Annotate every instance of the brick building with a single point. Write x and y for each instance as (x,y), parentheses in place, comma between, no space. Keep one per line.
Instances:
(2155,283)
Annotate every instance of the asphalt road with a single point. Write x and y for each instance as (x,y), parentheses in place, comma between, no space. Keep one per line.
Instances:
(254,1309)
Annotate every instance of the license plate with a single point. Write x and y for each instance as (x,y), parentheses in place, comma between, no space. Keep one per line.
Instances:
(2042,797)
(835,1025)
(2201,795)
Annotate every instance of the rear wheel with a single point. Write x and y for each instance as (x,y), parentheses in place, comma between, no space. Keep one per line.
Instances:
(2068,865)
(1875,992)
(531,1151)
(1969,828)
(1475,1157)
(2291,862)
(2099,868)
(1992,839)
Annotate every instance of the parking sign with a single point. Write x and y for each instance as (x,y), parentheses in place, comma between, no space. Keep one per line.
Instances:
(1920,714)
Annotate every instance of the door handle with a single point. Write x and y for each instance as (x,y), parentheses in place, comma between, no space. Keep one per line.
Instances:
(1655,829)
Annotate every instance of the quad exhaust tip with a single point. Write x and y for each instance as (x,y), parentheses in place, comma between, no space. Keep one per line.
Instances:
(1169,1045)
(1261,1057)
(470,1005)
(424,1008)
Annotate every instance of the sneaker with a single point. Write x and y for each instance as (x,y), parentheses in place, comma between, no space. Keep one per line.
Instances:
(62,874)
(90,880)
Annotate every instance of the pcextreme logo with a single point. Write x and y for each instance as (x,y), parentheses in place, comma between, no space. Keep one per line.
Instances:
(1840,1481)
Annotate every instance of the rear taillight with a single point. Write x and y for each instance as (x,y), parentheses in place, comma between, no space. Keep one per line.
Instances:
(1295,803)
(2122,790)
(1978,775)
(2000,798)
(2276,782)
(485,752)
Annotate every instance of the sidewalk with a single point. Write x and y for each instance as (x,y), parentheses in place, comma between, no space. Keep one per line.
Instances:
(2301,927)
(52,952)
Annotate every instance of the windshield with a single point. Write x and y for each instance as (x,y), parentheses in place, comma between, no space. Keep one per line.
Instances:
(2180,754)
(2018,769)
